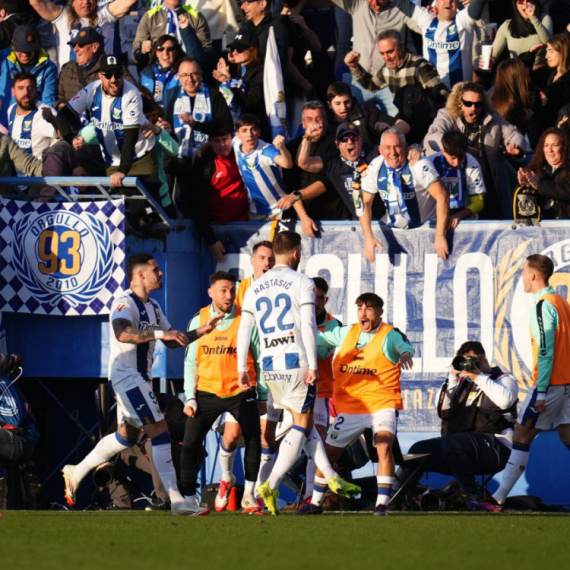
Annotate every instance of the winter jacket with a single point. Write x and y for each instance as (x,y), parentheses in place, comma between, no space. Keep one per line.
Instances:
(45,71)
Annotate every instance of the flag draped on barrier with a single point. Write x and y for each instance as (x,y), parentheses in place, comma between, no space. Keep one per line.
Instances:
(274,89)
(61,258)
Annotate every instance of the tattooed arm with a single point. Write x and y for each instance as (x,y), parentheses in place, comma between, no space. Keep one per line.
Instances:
(125,332)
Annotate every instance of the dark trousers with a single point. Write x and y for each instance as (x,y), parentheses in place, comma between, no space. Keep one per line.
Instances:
(139,457)
(463,455)
(14,446)
(245,409)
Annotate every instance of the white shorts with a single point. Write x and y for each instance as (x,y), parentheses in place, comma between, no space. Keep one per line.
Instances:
(557,408)
(272,415)
(136,404)
(321,416)
(348,427)
(289,390)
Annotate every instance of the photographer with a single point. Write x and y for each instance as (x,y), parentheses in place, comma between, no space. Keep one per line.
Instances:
(18,433)
(477,405)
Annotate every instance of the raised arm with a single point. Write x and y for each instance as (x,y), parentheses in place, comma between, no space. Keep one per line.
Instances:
(120,8)
(309,163)
(46,9)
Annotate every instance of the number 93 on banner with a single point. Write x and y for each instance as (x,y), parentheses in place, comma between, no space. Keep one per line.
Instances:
(62,252)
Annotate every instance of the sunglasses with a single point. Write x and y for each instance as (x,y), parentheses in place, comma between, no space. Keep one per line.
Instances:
(166,49)
(347,139)
(111,74)
(239,50)
(476,104)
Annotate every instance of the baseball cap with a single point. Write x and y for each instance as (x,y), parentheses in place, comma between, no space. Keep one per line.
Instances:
(84,36)
(109,63)
(25,38)
(244,39)
(346,128)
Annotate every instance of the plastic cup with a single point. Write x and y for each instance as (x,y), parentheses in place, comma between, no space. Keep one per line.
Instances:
(486,53)
(490,32)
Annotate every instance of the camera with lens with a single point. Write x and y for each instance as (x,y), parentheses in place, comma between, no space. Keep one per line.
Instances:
(465,363)
(10,364)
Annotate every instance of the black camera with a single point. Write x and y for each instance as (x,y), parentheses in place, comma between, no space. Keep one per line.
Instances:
(10,363)
(464,363)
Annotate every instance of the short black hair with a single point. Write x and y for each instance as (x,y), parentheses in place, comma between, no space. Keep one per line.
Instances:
(541,264)
(136,260)
(370,300)
(471,346)
(222,276)
(321,283)
(454,143)
(218,128)
(248,119)
(22,76)
(264,243)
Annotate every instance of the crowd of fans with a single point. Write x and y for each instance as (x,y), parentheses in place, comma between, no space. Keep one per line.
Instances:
(409,121)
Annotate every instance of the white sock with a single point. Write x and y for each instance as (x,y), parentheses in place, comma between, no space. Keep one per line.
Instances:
(248,490)
(289,451)
(162,457)
(315,449)
(515,468)
(266,464)
(310,477)
(191,499)
(227,457)
(384,489)
(319,490)
(107,448)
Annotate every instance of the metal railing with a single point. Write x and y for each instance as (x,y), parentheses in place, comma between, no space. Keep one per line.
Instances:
(100,188)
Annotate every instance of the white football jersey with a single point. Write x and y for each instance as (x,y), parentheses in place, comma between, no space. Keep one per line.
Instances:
(129,359)
(448,45)
(32,132)
(275,300)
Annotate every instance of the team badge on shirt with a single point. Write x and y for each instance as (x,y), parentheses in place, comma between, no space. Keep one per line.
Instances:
(27,126)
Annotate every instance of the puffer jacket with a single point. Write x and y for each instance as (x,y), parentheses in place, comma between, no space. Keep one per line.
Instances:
(45,71)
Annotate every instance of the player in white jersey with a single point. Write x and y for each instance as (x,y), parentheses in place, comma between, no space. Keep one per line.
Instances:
(282,304)
(448,36)
(67,20)
(258,164)
(26,122)
(137,322)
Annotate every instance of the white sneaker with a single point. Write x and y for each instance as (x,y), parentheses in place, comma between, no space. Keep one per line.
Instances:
(70,484)
(223,496)
(188,510)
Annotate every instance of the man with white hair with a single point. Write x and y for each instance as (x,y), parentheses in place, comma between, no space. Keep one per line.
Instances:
(412,193)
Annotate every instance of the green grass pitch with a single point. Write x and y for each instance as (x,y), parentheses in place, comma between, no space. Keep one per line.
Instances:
(137,540)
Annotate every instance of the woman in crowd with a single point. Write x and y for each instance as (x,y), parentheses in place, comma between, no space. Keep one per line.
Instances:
(244,93)
(160,77)
(549,173)
(557,92)
(511,95)
(524,33)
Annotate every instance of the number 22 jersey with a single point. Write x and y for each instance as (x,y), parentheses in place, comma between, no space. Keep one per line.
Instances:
(279,301)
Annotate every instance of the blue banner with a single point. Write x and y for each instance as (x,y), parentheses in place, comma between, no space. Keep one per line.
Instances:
(476,294)
(61,258)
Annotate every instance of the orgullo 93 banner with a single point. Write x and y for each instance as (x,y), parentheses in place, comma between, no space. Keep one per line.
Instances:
(61,258)
(477,294)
